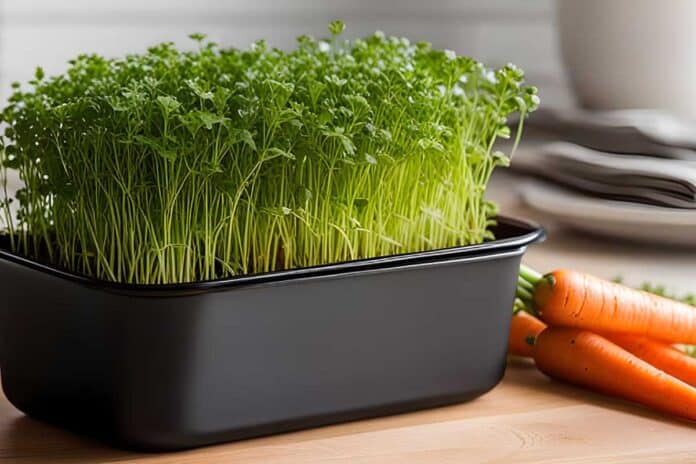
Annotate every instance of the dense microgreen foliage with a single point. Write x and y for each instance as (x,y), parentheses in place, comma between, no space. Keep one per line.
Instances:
(174,166)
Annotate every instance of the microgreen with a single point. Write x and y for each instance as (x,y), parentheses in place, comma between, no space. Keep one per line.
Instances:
(175,166)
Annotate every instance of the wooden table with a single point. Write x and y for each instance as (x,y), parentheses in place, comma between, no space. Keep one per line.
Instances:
(527,418)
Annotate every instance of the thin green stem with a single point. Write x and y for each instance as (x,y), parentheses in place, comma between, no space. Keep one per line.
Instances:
(173,166)
(530,275)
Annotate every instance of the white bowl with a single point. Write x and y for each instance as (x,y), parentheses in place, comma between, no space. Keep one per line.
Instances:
(631,53)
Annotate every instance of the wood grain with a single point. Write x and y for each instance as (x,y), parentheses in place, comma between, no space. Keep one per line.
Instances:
(527,418)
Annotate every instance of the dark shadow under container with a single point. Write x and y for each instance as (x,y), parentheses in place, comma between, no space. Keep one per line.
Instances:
(178,366)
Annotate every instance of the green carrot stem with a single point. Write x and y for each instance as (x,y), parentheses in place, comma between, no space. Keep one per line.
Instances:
(524,294)
(521,282)
(530,275)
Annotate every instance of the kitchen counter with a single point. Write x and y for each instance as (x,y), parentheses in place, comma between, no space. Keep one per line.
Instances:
(527,418)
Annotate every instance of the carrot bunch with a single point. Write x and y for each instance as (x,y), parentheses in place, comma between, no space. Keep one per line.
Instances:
(607,337)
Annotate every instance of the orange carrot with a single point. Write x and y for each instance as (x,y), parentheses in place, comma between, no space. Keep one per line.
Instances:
(590,360)
(524,329)
(661,355)
(574,299)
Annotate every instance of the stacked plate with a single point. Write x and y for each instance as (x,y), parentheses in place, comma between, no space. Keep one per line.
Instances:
(630,174)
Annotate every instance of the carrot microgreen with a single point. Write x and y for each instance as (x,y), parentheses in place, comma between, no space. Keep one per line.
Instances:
(175,166)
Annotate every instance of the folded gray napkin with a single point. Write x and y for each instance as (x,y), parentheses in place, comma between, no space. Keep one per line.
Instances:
(637,132)
(642,179)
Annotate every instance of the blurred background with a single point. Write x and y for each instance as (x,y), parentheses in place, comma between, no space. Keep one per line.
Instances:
(608,165)
(49,32)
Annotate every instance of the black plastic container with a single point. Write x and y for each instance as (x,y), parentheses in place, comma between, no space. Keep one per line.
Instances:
(177,366)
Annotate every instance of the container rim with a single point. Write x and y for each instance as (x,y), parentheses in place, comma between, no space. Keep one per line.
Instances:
(516,234)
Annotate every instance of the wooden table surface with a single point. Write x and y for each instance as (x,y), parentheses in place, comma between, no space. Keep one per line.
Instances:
(527,418)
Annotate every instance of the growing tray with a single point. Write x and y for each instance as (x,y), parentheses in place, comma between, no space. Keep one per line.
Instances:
(176,366)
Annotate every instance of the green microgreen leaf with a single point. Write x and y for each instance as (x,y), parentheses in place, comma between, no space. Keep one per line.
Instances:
(336,28)
(174,166)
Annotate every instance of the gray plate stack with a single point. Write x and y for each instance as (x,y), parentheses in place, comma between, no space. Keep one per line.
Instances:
(629,173)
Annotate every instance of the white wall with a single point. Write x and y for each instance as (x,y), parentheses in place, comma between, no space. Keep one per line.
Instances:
(49,32)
